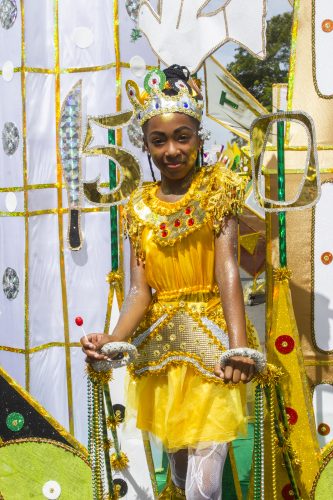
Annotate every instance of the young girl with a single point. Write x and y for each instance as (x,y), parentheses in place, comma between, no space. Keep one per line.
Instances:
(183,233)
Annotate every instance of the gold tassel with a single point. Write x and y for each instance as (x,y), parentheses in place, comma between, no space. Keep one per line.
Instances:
(282,274)
(102,378)
(119,462)
(171,492)
(269,376)
(113,421)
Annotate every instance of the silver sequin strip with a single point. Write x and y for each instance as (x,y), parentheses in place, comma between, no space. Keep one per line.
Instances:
(140,338)
(218,333)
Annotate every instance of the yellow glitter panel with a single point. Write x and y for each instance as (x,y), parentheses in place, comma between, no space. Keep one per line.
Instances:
(283,349)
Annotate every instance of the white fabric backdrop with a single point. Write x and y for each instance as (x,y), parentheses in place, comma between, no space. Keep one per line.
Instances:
(30,243)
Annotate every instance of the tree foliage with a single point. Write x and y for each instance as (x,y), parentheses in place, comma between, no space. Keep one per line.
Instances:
(258,76)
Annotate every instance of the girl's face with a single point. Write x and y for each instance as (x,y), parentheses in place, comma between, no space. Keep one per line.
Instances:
(173,142)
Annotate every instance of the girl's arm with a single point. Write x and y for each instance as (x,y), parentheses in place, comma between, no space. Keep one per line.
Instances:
(132,312)
(230,287)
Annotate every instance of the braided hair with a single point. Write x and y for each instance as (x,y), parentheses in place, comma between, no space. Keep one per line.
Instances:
(174,75)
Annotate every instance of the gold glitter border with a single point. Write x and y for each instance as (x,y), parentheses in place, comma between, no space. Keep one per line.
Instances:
(292,65)
(63,71)
(38,348)
(26,218)
(150,462)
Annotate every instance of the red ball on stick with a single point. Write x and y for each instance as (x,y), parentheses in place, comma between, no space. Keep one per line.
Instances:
(79,321)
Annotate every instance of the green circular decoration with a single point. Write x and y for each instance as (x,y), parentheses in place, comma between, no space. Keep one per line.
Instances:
(26,465)
(154,80)
(15,421)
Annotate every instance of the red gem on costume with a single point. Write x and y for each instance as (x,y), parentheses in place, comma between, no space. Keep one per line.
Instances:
(324,429)
(164,234)
(177,223)
(188,210)
(154,81)
(284,344)
(190,222)
(292,415)
(162,226)
(326,258)
(79,321)
(287,491)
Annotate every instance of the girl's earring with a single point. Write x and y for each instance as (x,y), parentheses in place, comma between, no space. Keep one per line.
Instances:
(151,166)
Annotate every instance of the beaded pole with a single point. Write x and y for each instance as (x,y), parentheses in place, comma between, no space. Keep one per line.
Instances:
(106,454)
(119,459)
(273,443)
(258,476)
(282,440)
(95,438)
(281,194)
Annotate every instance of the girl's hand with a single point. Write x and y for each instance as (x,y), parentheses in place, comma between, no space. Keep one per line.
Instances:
(237,369)
(91,345)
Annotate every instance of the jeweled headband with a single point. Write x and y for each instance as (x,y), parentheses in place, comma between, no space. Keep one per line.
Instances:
(152,101)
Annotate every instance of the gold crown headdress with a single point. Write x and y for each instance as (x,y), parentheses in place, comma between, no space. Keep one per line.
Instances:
(152,101)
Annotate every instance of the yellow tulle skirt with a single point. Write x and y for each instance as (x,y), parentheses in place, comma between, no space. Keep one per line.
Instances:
(183,410)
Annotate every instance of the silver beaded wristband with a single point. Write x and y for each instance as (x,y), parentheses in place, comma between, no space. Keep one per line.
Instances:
(126,354)
(245,352)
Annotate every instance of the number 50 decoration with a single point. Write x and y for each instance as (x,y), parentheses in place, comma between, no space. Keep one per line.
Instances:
(71,152)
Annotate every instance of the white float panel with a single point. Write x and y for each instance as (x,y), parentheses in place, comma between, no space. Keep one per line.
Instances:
(323,410)
(323,273)
(323,11)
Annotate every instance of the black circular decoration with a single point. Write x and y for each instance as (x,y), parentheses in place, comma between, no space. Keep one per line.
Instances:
(119,410)
(123,486)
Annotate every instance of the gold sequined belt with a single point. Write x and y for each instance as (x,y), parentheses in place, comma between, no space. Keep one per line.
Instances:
(191,294)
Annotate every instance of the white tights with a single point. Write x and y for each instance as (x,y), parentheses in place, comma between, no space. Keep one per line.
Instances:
(199,471)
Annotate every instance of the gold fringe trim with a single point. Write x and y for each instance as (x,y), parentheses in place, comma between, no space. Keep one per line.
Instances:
(171,492)
(115,495)
(270,376)
(215,191)
(119,462)
(282,274)
(102,378)
(108,444)
(115,278)
(176,362)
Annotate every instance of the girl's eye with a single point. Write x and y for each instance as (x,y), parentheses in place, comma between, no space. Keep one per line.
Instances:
(157,142)
(183,138)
